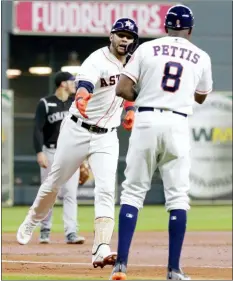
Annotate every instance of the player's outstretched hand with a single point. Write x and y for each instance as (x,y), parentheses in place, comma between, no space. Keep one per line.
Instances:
(128,120)
(81,100)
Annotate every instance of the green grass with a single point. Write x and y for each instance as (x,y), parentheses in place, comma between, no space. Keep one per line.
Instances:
(151,218)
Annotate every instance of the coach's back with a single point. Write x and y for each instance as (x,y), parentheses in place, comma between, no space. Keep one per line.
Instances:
(168,71)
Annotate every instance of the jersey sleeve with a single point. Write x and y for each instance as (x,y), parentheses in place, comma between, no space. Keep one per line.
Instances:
(89,71)
(132,69)
(39,122)
(206,82)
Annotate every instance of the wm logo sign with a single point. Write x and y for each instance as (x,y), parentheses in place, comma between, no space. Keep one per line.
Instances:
(214,135)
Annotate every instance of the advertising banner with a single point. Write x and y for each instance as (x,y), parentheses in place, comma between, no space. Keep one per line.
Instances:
(7,147)
(211,153)
(86,18)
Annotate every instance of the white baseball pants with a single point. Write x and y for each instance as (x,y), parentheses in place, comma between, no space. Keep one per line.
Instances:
(158,140)
(68,192)
(75,144)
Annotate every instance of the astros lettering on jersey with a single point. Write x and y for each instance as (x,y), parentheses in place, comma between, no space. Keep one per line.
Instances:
(102,69)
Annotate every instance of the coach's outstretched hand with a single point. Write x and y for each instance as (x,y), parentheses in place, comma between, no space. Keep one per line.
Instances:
(128,120)
(81,100)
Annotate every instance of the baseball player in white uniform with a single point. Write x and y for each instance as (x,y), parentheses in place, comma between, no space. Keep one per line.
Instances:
(50,112)
(171,74)
(90,132)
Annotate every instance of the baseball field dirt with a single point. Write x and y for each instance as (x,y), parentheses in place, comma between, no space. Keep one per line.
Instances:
(206,255)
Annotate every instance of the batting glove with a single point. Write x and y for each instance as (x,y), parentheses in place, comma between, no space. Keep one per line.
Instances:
(129,117)
(128,120)
(81,100)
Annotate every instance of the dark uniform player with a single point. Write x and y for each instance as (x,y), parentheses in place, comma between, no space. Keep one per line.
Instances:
(50,112)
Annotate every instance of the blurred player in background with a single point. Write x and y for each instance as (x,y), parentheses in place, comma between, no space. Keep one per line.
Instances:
(90,131)
(171,73)
(50,112)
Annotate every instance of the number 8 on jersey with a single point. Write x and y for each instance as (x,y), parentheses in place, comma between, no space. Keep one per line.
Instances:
(170,67)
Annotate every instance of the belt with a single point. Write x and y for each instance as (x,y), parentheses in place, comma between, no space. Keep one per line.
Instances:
(144,108)
(92,128)
(51,145)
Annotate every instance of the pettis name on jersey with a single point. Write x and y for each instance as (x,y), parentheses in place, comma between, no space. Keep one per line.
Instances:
(178,52)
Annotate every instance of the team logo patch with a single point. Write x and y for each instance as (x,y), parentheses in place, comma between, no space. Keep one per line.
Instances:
(129,24)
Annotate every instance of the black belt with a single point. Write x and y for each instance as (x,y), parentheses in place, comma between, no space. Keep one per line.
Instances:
(144,108)
(92,128)
(51,145)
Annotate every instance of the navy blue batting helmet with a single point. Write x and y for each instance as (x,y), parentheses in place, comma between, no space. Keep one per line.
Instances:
(125,24)
(179,17)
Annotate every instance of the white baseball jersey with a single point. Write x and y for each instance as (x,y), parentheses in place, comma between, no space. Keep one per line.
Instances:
(103,70)
(168,71)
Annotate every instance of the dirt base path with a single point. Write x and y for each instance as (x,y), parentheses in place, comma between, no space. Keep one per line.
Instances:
(206,255)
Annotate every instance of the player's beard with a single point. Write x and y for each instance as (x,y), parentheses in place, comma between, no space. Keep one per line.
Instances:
(119,50)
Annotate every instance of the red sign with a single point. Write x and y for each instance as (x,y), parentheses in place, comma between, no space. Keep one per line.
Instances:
(85,18)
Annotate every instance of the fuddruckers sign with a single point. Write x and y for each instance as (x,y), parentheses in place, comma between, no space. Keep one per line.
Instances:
(85,18)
